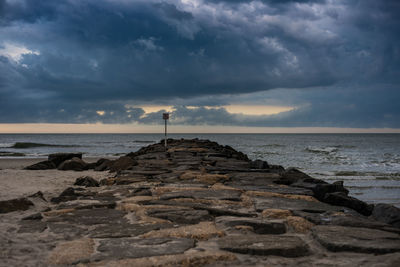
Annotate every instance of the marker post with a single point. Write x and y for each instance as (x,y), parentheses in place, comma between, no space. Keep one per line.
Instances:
(165,118)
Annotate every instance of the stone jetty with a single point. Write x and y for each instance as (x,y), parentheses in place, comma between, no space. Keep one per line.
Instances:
(196,204)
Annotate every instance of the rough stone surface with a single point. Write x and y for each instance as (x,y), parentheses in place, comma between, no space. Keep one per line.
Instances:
(139,248)
(257,225)
(196,204)
(182,216)
(340,238)
(293,204)
(286,246)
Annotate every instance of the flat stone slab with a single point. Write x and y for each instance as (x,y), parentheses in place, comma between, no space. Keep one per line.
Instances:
(232,195)
(259,226)
(30,226)
(286,246)
(352,239)
(92,217)
(293,204)
(181,216)
(120,248)
(66,229)
(124,230)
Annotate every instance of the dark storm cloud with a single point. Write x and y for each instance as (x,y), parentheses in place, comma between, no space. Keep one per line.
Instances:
(90,56)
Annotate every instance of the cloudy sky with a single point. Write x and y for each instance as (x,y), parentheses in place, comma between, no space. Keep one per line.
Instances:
(211,63)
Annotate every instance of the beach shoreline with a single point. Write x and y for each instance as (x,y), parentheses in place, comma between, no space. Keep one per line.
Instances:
(15,182)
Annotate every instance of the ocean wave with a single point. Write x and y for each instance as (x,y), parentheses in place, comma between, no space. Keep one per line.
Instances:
(11,154)
(144,141)
(273,145)
(322,150)
(344,146)
(24,145)
(373,175)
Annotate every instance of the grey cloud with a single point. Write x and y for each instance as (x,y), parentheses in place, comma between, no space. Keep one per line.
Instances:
(96,54)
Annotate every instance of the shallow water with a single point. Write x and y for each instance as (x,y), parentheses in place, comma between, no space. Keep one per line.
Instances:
(369,164)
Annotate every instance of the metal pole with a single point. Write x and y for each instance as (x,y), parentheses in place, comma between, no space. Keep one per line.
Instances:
(165,139)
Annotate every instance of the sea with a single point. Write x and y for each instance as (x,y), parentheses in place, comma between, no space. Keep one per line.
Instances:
(369,164)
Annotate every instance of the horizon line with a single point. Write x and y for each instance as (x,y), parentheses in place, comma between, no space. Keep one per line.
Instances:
(63,128)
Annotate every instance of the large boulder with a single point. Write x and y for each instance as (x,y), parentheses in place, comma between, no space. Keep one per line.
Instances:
(43,165)
(58,158)
(103,164)
(74,164)
(387,213)
(341,199)
(123,163)
(15,204)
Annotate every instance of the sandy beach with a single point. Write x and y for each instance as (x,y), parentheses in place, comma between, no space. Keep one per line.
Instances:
(16,182)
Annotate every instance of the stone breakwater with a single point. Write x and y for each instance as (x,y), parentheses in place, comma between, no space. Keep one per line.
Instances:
(196,204)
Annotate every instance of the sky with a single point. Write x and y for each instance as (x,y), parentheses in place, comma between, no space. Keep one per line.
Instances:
(218,65)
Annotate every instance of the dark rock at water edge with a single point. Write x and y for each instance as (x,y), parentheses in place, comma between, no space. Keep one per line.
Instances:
(43,165)
(74,164)
(58,158)
(387,213)
(341,199)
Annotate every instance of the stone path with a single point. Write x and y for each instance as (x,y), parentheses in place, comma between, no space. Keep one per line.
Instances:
(198,204)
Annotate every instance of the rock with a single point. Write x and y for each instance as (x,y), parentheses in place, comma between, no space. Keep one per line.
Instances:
(15,205)
(293,204)
(299,224)
(387,213)
(259,164)
(103,164)
(67,195)
(35,216)
(71,252)
(320,190)
(39,195)
(43,165)
(138,248)
(259,226)
(276,213)
(201,231)
(232,195)
(74,164)
(356,239)
(285,246)
(31,226)
(123,163)
(91,217)
(124,230)
(86,181)
(58,158)
(290,176)
(341,199)
(67,230)
(181,216)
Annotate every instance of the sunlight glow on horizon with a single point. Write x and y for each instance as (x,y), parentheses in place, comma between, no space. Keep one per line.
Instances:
(139,128)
